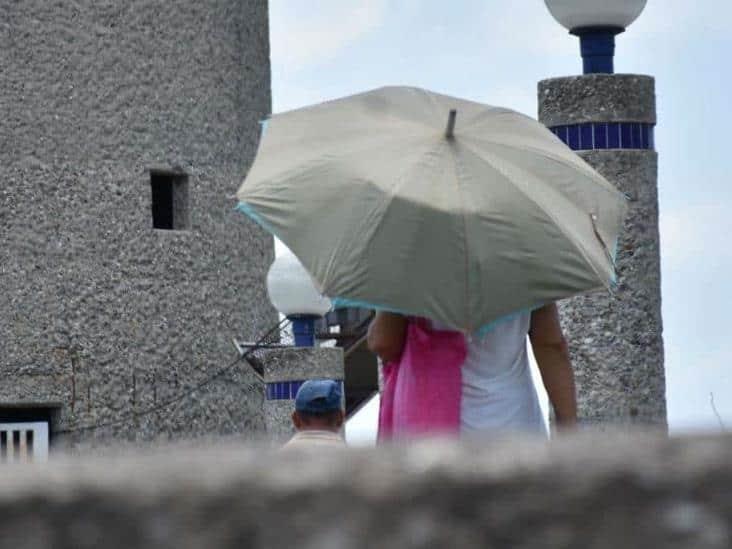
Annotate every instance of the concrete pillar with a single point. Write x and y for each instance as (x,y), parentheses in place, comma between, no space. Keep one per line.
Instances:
(284,371)
(616,340)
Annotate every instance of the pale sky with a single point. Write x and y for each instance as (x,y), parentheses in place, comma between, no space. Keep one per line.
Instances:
(496,52)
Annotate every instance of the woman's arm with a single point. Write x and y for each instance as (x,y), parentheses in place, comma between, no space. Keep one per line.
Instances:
(552,358)
(386,335)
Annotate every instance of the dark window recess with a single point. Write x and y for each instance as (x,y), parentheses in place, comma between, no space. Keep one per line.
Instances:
(169,200)
(27,414)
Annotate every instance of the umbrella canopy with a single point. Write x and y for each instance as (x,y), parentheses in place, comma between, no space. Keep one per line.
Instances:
(391,202)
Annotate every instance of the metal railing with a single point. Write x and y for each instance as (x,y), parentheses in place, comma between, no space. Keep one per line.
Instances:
(23,442)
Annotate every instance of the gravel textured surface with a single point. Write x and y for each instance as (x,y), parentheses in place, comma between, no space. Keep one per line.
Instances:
(100,313)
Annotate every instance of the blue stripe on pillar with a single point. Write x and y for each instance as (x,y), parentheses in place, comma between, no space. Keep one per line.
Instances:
(284,390)
(613,135)
(565,133)
(573,137)
(601,135)
(644,136)
(626,136)
(586,141)
(637,140)
(606,135)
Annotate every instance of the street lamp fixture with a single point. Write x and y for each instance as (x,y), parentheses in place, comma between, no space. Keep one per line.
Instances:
(292,292)
(596,22)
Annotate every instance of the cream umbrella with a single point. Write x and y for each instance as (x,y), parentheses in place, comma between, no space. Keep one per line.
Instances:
(410,201)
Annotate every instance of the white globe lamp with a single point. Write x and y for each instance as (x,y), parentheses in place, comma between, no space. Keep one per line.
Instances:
(596,22)
(292,292)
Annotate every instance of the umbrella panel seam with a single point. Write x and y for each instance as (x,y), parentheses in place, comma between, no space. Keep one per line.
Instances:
(548,213)
(459,188)
(597,178)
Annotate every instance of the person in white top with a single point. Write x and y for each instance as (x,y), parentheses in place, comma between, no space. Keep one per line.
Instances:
(497,390)
(498,393)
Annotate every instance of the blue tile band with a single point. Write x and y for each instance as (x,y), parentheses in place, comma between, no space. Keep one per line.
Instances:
(286,390)
(606,135)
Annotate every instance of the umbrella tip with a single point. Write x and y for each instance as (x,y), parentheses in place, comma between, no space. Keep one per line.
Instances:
(450,131)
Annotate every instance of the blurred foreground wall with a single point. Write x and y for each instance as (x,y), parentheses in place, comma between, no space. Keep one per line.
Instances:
(589,491)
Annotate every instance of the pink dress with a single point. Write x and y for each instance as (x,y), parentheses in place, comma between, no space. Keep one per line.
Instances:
(422,391)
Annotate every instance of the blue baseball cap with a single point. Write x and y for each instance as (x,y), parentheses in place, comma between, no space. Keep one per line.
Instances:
(319,396)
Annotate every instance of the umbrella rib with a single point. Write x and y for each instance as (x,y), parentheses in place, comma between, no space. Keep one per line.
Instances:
(461,194)
(547,212)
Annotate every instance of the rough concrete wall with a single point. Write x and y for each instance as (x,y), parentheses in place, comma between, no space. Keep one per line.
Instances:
(99,312)
(616,340)
(599,492)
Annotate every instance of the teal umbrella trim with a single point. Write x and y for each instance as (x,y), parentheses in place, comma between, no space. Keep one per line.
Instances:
(614,254)
(343,303)
(251,213)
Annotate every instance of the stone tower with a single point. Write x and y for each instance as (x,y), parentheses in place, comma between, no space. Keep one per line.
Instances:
(124,270)
(616,339)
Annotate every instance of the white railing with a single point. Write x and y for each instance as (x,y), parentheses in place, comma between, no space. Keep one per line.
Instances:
(23,442)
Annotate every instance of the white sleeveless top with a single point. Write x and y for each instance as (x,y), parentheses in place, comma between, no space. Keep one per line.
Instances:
(498,392)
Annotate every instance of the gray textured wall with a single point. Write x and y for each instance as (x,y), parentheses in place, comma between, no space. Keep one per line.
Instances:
(99,312)
(598,492)
(616,340)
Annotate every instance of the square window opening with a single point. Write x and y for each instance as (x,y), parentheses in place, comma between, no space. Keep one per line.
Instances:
(170,208)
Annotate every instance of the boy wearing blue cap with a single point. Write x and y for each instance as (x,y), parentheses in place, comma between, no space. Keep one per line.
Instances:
(318,415)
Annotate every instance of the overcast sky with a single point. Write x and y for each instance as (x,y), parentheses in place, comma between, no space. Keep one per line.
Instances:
(496,52)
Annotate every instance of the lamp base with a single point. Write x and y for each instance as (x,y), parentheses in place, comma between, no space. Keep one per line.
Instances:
(597,45)
(303,329)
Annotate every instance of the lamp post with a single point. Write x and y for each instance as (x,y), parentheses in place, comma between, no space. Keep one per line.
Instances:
(292,292)
(609,120)
(596,22)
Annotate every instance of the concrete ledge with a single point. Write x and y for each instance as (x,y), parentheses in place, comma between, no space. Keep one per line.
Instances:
(597,98)
(594,490)
(298,363)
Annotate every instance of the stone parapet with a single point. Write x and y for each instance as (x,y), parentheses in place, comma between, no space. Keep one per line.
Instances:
(593,490)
